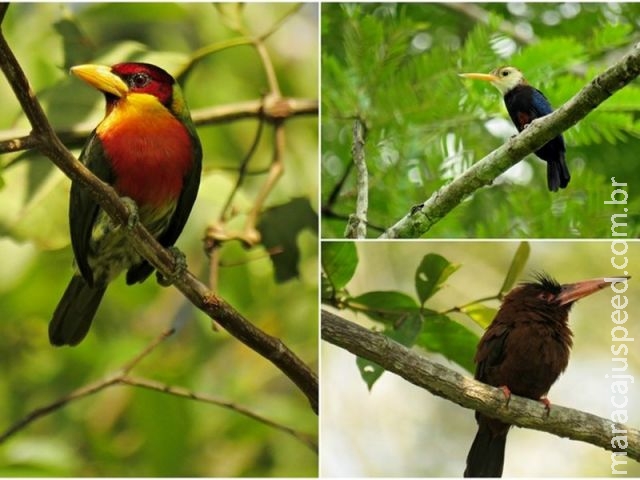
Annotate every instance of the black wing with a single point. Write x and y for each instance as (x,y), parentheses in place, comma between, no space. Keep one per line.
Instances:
(491,353)
(83,209)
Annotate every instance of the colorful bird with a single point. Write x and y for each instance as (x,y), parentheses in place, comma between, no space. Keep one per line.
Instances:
(524,104)
(524,351)
(147,149)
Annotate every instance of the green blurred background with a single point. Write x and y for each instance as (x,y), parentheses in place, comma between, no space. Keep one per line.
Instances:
(123,431)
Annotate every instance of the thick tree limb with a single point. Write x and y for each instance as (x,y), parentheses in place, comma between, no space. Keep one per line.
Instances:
(420,219)
(469,393)
(224,314)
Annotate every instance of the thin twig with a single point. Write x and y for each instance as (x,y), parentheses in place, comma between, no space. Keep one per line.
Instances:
(84,391)
(308,440)
(123,378)
(358,224)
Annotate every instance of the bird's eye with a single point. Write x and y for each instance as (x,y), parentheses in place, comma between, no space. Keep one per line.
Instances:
(140,80)
(546,296)
(505,73)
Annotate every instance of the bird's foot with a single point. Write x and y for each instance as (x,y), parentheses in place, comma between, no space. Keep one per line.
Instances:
(507,393)
(179,267)
(132,209)
(547,405)
(415,209)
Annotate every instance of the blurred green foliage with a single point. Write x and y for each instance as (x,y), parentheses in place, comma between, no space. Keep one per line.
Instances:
(395,66)
(124,431)
(407,320)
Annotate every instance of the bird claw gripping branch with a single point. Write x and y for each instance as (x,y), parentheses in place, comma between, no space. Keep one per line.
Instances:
(179,267)
(132,209)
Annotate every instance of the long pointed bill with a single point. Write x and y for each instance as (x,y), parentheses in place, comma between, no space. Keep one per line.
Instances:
(102,78)
(487,77)
(575,291)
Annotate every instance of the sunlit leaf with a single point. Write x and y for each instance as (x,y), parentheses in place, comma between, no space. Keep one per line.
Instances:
(479,313)
(339,262)
(517,265)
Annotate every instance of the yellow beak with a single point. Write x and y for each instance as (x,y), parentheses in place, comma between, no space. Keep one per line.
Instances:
(487,77)
(102,78)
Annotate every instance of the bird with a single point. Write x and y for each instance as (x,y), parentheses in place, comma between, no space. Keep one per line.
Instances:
(147,148)
(524,104)
(523,351)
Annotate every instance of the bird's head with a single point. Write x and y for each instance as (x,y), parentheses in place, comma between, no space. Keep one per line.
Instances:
(549,299)
(123,81)
(504,79)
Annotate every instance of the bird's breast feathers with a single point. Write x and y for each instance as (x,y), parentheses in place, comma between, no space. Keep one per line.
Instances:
(150,151)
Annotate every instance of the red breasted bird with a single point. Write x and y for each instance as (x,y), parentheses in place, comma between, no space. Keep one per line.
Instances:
(524,351)
(147,149)
(524,104)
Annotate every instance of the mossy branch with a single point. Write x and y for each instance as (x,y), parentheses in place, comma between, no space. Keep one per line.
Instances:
(469,393)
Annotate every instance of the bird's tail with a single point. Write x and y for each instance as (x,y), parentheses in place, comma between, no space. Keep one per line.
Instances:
(74,313)
(486,457)
(557,174)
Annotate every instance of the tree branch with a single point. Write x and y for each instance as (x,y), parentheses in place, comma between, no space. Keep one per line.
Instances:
(146,245)
(267,109)
(123,377)
(469,393)
(357,224)
(139,382)
(421,218)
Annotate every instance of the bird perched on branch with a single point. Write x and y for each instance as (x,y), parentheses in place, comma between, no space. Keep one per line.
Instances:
(524,104)
(147,149)
(524,351)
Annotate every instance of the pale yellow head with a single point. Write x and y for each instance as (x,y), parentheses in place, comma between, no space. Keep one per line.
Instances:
(503,78)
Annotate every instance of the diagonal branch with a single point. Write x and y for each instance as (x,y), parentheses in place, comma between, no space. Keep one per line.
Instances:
(421,218)
(272,348)
(469,393)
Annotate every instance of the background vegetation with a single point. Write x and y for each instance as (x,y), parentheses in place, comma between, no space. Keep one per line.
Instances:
(377,424)
(395,66)
(124,431)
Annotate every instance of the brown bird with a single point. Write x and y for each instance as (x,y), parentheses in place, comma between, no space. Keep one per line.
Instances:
(524,351)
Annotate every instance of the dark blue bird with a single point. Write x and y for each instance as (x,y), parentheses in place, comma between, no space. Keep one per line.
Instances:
(524,104)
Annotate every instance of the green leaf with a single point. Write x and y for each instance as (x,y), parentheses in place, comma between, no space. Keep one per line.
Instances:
(432,272)
(389,307)
(442,335)
(77,46)
(517,265)
(405,334)
(339,262)
(479,313)
(279,228)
